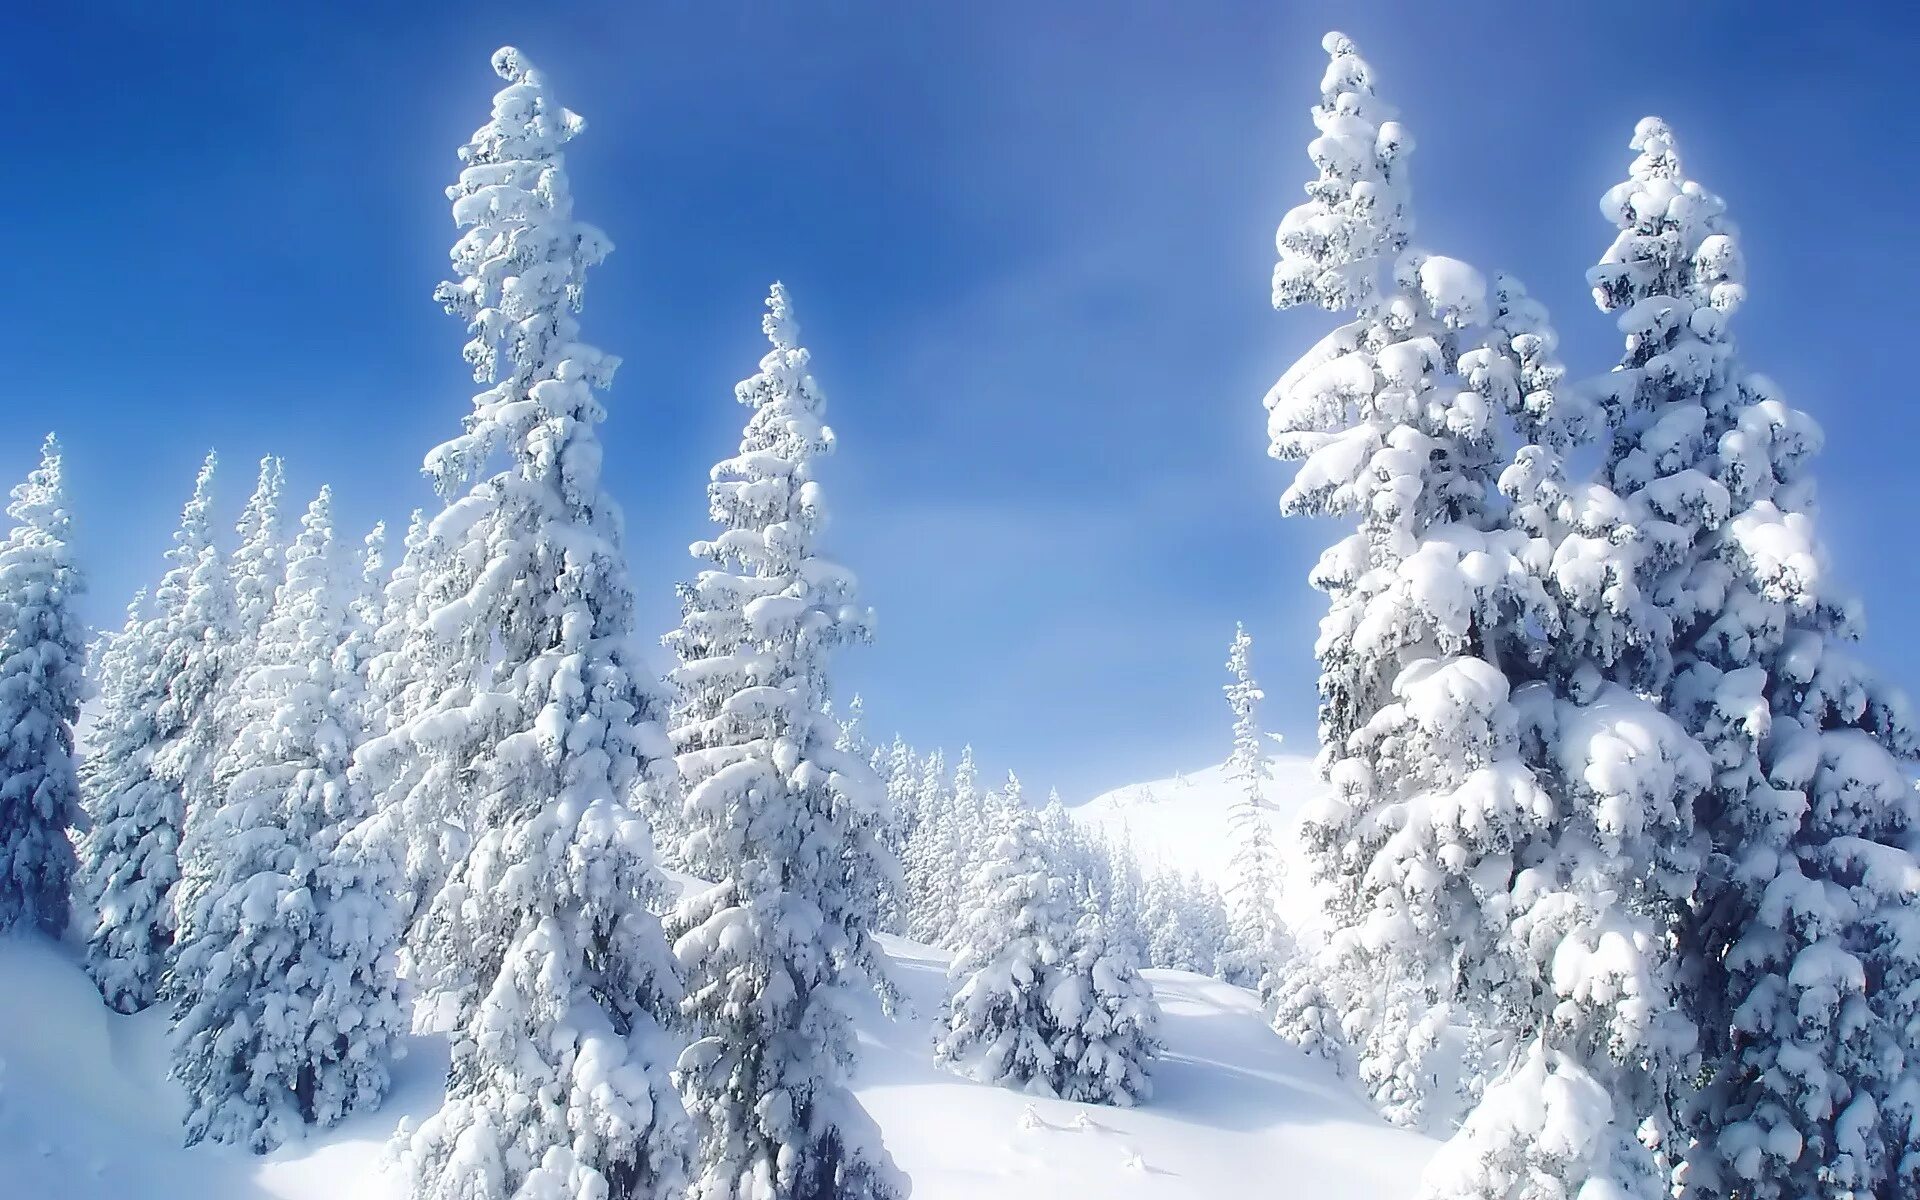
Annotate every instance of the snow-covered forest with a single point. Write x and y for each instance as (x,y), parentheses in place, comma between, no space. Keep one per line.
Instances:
(402,862)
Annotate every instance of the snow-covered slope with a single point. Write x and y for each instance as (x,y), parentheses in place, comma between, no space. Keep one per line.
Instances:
(1184,823)
(86,1112)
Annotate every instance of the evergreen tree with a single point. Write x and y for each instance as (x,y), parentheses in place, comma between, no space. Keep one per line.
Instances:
(256,567)
(41,661)
(783,813)
(1106,1019)
(1509,833)
(537,951)
(393,683)
(1305,1015)
(1258,946)
(157,684)
(997,1025)
(283,979)
(1389,430)
(964,843)
(926,855)
(900,771)
(1802,952)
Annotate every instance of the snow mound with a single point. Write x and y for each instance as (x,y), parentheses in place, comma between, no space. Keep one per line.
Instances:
(87,1113)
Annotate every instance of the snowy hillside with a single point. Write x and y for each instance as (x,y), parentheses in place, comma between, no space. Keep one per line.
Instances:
(87,1114)
(1183,823)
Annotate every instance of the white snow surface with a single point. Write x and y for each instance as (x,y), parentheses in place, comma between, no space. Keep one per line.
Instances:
(87,1113)
(1185,824)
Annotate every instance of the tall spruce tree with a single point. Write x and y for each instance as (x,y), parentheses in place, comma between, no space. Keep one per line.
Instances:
(256,564)
(1258,946)
(1389,429)
(283,980)
(42,654)
(537,949)
(1509,836)
(1802,951)
(782,814)
(157,682)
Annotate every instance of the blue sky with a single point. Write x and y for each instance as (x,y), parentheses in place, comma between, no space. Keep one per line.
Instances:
(1030,252)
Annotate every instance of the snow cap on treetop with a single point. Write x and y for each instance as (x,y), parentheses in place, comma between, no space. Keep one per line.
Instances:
(778,323)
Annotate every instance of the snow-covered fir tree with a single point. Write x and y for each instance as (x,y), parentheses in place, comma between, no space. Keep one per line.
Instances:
(900,771)
(256,563)
(949,842)
(537,951)
(783,814)
(1258,940)
(283,979)
(1074,855)
(1303,1013)
(1802,944)
(1509,833)
(42,655)
(1387,430)
(1185,922)
(157,682)
(1116,886)
(1105,1018)
(997,1025)
(962,844)
(922,857)
(393,686)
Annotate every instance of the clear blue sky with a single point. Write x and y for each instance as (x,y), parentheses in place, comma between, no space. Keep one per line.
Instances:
(1031,255)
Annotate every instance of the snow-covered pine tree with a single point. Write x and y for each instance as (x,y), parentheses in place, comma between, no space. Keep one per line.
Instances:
(1258,940)
(1390,430)
(157,684)
(1305,1015)
(1514,854)
(256,564)
(900,771)
(538,952)
(364,615)
(997,1026)
(1106,1020)
(197,656)
(1172,924)
(786,822)
(926,853)
(966,839)
(1118,890)
(393,685)
(42,656)
(408,666)
(1802,944)
(1075,857)
(283,979)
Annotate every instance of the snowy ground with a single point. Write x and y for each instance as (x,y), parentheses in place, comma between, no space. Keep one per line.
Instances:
(86,1112)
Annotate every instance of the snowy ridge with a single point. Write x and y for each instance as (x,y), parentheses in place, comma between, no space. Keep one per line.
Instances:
(86,1111)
